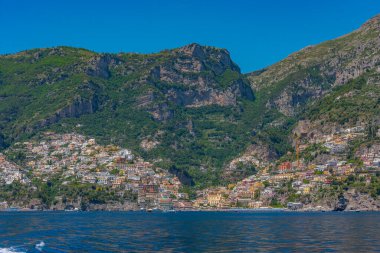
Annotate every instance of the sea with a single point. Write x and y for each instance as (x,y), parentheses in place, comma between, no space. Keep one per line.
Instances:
(266,231)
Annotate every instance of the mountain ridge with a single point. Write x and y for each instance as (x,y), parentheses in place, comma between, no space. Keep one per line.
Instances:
(148,91)
(189,108)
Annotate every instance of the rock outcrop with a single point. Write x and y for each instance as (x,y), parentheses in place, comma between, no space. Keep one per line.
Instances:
(99,66)
(75,109)
(356,201)
(192,79)
(341,204)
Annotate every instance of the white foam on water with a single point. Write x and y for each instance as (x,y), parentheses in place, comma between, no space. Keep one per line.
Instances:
(39,246)
(11,250)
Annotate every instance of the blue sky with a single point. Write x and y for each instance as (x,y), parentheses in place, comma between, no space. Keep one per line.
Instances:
(257,33)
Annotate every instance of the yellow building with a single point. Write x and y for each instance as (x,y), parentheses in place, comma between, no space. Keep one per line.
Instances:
(349,171)
(255,204)
(214,199)
(284,176)
(318,179)
(306,190)
(199,202)
(31,163)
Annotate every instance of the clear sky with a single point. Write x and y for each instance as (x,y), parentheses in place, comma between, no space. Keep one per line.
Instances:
(257,33)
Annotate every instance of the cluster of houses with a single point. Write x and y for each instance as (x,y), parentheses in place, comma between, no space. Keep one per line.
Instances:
(370,156)
(10,172)
(258,191)
(78,158)
(337,143)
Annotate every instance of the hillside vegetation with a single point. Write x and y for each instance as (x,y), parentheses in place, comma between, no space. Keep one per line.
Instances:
(190,110)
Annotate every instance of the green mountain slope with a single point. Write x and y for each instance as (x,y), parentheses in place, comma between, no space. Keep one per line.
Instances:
(335,82)
(312,72)
(189,109)
(185,107)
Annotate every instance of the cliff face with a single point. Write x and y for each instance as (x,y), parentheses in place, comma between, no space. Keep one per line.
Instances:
(75,109)
(98,66)
(196,76)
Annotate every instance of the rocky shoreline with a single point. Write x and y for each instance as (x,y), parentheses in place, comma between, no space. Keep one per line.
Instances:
(269,209)
(351,200)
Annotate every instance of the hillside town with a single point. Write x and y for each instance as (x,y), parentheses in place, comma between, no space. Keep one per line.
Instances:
(292,182)
(287,183)
(74,157)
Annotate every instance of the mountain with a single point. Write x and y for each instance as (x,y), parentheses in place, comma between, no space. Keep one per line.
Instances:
(190,110)
(324,88)
(312,72)
(185,107)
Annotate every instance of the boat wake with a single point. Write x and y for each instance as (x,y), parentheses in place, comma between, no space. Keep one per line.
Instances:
(11,250)
(40,246)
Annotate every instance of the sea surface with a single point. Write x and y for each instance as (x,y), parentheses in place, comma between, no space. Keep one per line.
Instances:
(268,231)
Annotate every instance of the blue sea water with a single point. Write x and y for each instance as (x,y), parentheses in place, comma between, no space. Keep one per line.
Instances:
(189,232)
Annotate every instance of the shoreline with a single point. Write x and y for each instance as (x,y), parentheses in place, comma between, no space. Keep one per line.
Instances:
(232,210)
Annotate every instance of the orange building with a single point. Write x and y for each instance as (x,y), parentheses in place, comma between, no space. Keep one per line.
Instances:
(285,166)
